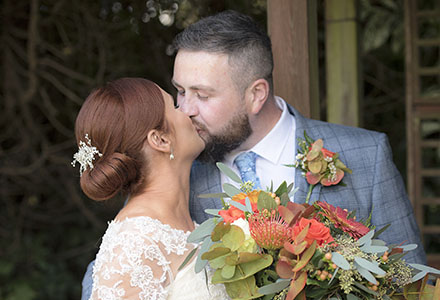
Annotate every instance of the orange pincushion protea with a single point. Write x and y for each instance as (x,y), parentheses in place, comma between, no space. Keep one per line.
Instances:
(269,230)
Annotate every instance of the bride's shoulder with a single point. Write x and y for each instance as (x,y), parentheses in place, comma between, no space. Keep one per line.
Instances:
(149,230)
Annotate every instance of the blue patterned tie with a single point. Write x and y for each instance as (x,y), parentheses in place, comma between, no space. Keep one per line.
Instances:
(245,163)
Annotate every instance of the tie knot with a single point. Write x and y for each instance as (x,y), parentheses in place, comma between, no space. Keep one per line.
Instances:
(246,164)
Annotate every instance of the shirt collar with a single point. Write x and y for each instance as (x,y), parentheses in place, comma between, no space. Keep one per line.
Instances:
(272,145)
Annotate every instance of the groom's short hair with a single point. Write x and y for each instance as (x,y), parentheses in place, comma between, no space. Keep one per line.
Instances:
(237,35)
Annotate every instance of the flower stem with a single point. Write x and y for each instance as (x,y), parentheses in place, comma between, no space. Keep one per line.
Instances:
(309,193)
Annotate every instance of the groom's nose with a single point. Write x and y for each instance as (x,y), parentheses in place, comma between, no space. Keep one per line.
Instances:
(187,106)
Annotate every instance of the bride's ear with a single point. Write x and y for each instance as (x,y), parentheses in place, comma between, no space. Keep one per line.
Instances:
(159,141)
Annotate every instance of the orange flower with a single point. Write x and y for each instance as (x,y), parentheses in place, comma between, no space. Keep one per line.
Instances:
(317,231)
(233,213)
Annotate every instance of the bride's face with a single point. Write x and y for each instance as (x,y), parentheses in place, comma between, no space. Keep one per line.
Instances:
(187,141)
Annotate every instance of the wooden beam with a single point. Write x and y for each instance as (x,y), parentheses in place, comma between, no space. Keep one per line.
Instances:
(292,26)
(342,61)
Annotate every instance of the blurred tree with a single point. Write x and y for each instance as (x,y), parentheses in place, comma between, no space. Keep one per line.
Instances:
(53,53)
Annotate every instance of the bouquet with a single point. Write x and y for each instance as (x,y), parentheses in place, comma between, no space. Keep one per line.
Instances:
(263,246)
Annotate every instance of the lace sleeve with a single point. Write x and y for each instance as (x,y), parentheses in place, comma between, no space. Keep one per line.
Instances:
(129,265)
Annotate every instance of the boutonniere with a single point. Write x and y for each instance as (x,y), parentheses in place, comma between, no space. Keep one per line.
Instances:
(318,164)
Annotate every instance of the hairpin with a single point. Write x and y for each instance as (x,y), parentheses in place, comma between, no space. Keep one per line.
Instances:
(85,155)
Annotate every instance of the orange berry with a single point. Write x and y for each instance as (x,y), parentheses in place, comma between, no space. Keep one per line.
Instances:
(328,256)
(322,277)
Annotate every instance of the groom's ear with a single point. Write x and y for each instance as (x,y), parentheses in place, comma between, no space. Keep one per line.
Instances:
(257,94)
(159,141)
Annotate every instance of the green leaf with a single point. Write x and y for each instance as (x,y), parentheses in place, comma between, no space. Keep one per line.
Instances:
(409,247)
(215,253)
(238,205)
(365,289)
(419,276)
(213,195)
(381,230)
(275,287)
(340,261)
(425,268)
(234,238)
(265,201)
(243,289)
(281,189)
(284,199)
(366,238)
(202,231)
(245,270)
(352,297)
(308,139)
(218,262)
(228,271)
(373,249)
(219,231)
(213,212)
(188,258)
(370,266)
(365,273)
(230,189)
(201,263)
(229,172)
(248,205)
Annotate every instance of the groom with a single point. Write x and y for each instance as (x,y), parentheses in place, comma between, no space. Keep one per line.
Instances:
(223,76)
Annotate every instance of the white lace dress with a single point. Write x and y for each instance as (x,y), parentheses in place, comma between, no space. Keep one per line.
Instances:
(134,262)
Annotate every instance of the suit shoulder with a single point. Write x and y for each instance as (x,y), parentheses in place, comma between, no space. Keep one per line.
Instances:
(344,135)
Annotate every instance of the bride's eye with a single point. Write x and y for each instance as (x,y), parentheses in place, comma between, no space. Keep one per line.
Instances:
(176,105)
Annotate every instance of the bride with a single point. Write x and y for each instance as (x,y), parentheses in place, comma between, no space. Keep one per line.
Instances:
(133,140)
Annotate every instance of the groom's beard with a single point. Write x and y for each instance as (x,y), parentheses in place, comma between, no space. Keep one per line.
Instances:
(230,138)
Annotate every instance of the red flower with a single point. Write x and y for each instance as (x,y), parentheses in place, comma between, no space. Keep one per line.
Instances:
(317,231)
(338,217)
(233,213)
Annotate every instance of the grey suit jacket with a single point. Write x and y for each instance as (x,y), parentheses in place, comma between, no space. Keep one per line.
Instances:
(374,186)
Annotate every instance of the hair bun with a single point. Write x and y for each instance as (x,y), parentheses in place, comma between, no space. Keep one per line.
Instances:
(110,175)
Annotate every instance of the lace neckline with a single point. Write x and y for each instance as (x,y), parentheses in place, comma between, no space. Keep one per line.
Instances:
(157,222)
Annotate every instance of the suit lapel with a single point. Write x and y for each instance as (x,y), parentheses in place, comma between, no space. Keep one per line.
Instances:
(303,124)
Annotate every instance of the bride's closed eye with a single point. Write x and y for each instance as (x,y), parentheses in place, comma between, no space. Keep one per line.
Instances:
(176,105)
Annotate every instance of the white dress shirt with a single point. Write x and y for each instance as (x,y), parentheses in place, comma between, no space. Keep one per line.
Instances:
(275,150)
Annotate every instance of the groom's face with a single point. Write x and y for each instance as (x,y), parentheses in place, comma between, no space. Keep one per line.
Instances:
(208,95)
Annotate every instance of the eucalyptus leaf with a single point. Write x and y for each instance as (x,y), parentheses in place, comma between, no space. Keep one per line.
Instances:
(229,172)
(188,258)
(352,297)
(369,265)
(201,263)
(231,190)
(377,242)
(212,211)
(333,276)
(365,273)
(228,271)
(366,238)
(290,187)
(419,276)
(425,268)
(292,193)
(340,261)
(373,249)
(213,195)
(274,287)
(202,231)
(409,247)
(238,205)
(248,205)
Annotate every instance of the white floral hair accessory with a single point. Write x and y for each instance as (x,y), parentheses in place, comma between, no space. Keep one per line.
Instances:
(85,155)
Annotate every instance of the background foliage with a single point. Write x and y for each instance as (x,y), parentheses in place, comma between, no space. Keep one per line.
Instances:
(53,53)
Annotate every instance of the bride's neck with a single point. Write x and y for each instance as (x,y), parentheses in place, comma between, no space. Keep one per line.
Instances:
(166,195)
